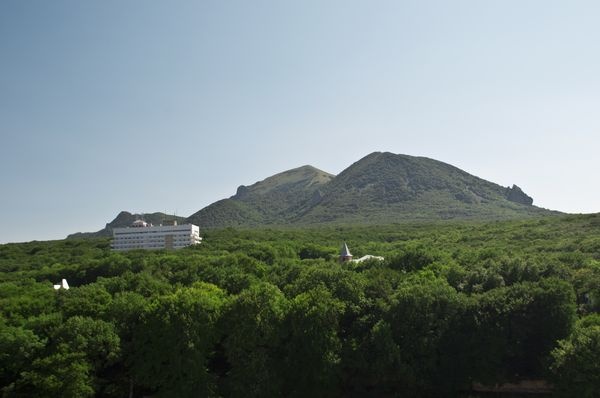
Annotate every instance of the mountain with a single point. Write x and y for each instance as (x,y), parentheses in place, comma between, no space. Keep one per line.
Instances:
(380,188)
(384,187)
(275,200)
(125,219)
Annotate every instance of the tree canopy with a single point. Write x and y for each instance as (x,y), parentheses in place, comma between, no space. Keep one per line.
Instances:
(272,312)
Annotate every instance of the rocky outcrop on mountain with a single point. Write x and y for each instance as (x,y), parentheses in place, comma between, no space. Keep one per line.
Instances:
(516,195)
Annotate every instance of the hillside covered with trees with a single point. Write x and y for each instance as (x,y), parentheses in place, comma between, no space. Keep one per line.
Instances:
(271,312)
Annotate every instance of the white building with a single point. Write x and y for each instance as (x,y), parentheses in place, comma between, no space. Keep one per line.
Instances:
(368,257)
(346,256)
(142,235)
(63,285)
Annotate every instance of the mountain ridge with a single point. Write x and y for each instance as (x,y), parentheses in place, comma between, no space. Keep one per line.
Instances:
(381,187)
(272,200)
(125,219)
(386,187)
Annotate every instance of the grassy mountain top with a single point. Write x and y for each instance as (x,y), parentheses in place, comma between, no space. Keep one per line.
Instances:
(389,178)
(274,200)
(385,187)
(298,179)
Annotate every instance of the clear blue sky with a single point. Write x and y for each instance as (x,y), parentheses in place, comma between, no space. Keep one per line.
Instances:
(168,106)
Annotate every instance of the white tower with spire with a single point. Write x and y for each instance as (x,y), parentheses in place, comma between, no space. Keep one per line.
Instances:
(345,254)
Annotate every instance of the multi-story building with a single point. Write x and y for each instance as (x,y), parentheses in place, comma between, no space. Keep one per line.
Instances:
(142,235)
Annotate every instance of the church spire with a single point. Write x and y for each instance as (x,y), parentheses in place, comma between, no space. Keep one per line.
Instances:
(345,254)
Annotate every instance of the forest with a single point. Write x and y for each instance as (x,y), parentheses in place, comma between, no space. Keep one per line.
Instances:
(273,313)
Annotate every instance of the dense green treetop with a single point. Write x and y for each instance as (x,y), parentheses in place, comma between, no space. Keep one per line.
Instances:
(271,312)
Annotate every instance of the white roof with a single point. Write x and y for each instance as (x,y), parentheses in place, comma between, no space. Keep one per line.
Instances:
(368,257)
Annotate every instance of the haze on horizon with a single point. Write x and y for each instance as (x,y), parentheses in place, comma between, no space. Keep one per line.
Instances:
(150,106)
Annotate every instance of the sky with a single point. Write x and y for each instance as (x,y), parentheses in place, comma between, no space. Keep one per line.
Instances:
(169,106)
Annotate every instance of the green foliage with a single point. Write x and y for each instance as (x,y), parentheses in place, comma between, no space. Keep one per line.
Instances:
(271,312)
(89,300)
(575,366)
(519,325)
(60,374)
(18,346)
(175,342)
(312,344)
(314,251)
(94,337)
(254,341)
(421,316)
(412,259)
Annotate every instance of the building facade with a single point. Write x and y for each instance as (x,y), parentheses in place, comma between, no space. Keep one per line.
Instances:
(142,235)
(346,256)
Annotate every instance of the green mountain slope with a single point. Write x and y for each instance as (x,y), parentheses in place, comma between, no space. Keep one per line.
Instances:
(384,187)
(380,188)
(125,219)
(274,200)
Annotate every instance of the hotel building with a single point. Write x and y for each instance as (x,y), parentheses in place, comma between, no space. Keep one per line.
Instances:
(142,235)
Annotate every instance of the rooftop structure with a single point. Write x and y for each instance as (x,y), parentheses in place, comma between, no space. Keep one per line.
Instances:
(345,254)
(140,224)
(368,257)
(142,235)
